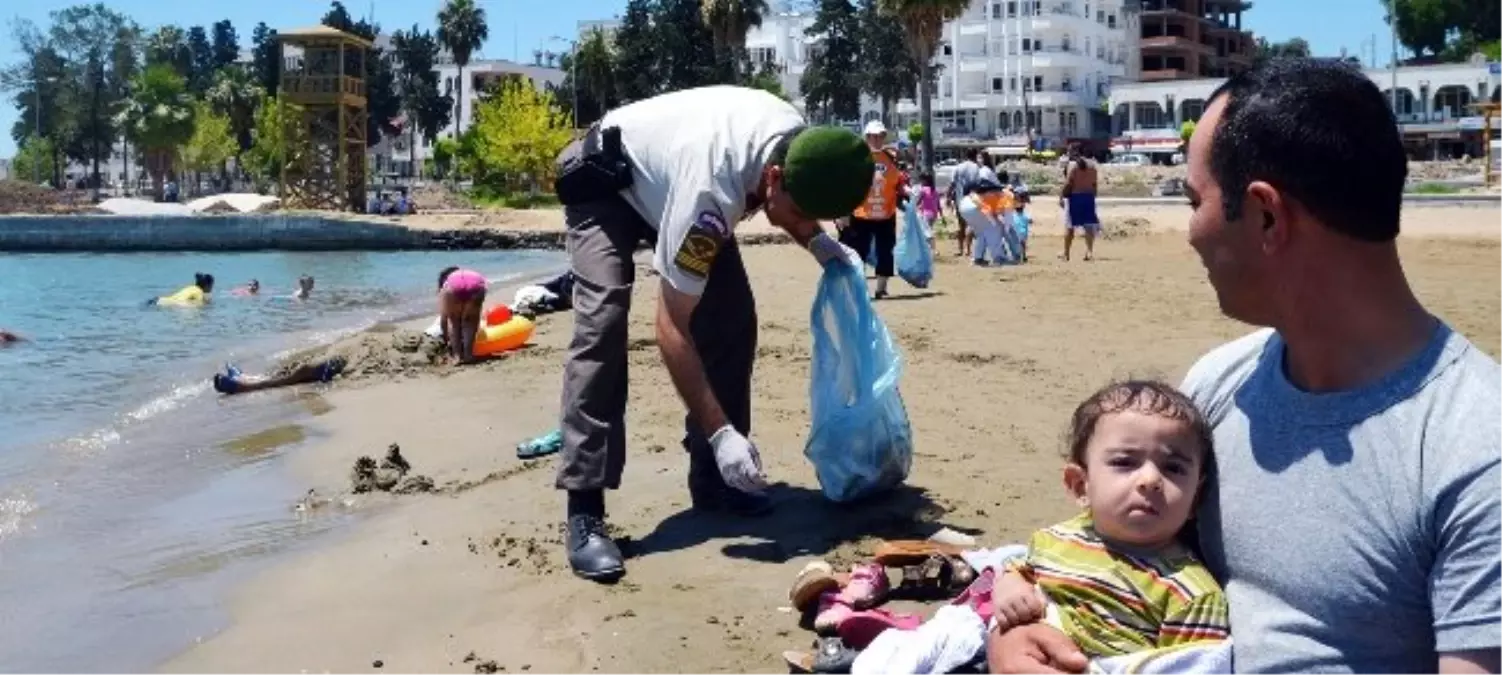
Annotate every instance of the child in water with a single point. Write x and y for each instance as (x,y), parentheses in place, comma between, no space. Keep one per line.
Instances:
(461,296)
(1118,578)
(252,288)
(304,287)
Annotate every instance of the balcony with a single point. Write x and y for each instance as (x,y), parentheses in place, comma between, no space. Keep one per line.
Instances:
(321,89)
(1165,74)
(1175,42)
(974,27)
(1058,57)
(1056,98)
(974,62)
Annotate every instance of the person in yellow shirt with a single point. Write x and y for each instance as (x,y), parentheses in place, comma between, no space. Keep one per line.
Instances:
(197,294)
(875,220)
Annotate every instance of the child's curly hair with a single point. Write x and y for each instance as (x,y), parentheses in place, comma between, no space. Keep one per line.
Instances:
(1147,396)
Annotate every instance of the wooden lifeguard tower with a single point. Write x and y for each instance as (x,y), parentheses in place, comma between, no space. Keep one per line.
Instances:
(324,116)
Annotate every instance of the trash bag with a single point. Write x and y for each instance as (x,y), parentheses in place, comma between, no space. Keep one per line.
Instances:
(861,442)
(915,261)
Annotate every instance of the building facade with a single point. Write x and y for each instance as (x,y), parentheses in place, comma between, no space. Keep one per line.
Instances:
(1191,39)
(1434,107)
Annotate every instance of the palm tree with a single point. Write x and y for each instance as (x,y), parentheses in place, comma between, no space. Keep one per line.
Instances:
(923,25)
(158,119)
(236,94)
(728,22)
(461,30)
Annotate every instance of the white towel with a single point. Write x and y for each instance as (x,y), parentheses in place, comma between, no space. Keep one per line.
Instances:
(954,637)
(1195,658)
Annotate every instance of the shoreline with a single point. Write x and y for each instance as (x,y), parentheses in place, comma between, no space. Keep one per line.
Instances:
(540,229)
(479,568)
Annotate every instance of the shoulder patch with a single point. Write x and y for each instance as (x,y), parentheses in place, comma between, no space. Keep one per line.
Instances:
(701,245)
(712,221)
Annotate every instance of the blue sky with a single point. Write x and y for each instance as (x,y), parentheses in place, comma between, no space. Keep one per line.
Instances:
(519,26)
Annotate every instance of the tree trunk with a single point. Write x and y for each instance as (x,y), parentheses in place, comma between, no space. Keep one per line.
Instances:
(459,104)
(412,151)
(925,117)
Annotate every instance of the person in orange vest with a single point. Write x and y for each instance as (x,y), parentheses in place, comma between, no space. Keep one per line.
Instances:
(876,218)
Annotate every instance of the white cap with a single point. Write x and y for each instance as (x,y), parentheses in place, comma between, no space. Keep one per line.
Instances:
(876,128)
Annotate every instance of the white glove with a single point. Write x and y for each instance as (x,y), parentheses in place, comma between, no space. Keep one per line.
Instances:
(740,464)
(825,248)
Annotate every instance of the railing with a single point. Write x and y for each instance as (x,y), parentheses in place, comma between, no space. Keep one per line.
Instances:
(322,85)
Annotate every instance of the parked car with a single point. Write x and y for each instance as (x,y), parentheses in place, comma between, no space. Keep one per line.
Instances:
(1132,159)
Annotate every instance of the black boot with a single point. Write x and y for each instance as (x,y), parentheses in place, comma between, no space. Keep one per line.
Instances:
(708,491)
(591,552)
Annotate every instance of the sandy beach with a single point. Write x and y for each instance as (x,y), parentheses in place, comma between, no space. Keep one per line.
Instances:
(996,359)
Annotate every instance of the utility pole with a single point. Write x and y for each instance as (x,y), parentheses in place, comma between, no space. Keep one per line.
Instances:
(1392,24)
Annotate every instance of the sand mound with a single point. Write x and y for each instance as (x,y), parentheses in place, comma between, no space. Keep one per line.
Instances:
(127,206)
(23,197)
(400,352)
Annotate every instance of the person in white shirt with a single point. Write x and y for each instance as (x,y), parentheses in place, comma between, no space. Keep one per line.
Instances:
(680,170)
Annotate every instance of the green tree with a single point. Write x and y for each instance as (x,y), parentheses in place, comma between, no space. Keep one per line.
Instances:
(888,73)
(202,52)
(42,97)
(462,30)
(768,78)
(827,85)
(158,119)
(266,58)
(685,50)
(97,45)
(635,53)
(226,45)
(1296,48)
(236,95)
(212,143)
(517,135)
(728,22)
(33,160)
(268,153)
(592,65)
(923,24)
(416,52)
(915,133)
(444,152)
(1449,29)
(169,45)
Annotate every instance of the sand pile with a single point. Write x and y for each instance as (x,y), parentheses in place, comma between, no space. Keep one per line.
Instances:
(398,352)
(440,196)
(23,197)
(1445,170)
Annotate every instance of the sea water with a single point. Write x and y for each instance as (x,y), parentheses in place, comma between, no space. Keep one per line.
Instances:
(122,506)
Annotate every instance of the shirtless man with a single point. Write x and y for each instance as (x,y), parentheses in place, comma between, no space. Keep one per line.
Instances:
(1078,202)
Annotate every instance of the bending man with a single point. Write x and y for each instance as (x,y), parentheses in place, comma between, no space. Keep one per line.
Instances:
(680,170)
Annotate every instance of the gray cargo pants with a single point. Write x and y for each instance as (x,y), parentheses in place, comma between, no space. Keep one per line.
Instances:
(601,239)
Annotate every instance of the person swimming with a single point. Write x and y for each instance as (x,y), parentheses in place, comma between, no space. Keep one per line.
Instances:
(252,288)
(304,287)
(199,293)
(8,338)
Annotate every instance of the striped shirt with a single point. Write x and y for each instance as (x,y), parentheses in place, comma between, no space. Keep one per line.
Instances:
(1112,600)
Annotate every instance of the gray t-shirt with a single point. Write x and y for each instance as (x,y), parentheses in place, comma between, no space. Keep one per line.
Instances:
(964,176)
(1354,531)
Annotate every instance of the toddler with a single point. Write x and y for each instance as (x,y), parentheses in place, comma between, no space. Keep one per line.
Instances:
(461,296)
(1117,578)
(1022,223)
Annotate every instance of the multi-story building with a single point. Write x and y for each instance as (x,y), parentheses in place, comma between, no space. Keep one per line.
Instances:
(1188,39)
(1433,106)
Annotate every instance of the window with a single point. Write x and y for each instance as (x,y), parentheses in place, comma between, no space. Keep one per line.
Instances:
(1027,45)
(996,84)
(1066,85)
(996,11)
(1062,119)
(1013,86)
(1003,121)
(1017,120)
(1100,52)
(1011,9)
(948,51)
(1087,10)
(1111,21)
(1037,83)
(1087,45)
(1012,45)
(1064,43)
(1074,123)
(1100,16)
(1037,7)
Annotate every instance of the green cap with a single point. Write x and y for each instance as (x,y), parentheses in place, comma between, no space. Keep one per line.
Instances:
(827,172)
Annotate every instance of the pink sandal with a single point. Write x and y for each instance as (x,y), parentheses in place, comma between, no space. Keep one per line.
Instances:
(868,586)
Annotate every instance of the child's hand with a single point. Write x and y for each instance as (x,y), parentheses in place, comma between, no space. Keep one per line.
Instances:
(1017,601)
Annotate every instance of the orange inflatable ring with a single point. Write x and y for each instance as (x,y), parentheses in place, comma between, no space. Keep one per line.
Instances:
(495,339)
(497,315)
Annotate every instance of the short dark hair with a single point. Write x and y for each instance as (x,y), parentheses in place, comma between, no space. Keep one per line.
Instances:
(1148,396)
(444,275)
(972,153)
(779,154)
(1320,131)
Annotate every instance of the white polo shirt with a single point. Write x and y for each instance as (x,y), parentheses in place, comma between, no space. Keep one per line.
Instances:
(697,154)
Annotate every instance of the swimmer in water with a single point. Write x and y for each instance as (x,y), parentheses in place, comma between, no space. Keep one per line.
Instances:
(8,338)
(304,287)
(189,296)
(461,296)
(252,288)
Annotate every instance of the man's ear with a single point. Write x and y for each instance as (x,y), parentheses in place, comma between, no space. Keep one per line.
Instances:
(1273,215)
(1074,482)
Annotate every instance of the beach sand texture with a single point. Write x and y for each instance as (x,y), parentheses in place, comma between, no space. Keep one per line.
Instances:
(996,359)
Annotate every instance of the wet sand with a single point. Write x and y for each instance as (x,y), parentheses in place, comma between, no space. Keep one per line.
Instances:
(996,360)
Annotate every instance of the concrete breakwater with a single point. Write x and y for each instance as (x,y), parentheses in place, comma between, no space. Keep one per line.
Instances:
(247,232)
(270,231)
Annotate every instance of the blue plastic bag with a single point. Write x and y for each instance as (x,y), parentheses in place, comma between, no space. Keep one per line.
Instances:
(861,442)
(915,261)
